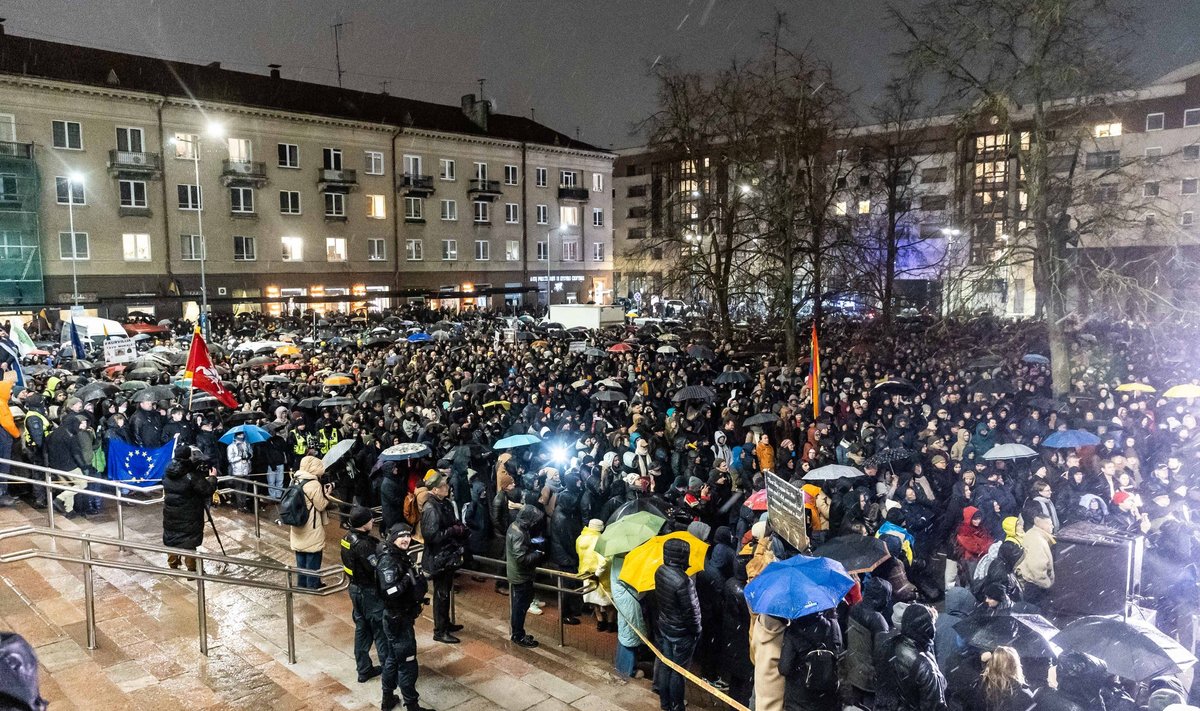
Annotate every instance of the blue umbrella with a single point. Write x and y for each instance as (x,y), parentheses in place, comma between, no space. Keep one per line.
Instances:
(403,451)
(1071,438)
(798,586)
(516,441)
(419,338)
(254,434)
(1035,358)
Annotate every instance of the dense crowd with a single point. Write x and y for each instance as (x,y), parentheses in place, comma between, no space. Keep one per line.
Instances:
(673,420)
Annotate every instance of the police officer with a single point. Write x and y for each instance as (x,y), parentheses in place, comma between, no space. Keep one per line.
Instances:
(358,560)
(301,442)
(402,588)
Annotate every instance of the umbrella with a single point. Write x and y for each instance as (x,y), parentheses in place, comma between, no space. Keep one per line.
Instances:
(984,363)
(609,396)
(891,455)
(378,393)
(152,394)
(732,377)
(1035,358)
(991,386)
(274,379)
(287,351)
(668,337)
(1029,635)
(143,373)
(829,472)
(757,501)
(132,385)
(666,350)
(337,380)
(628,533)
(376,342)
(403,452)
(1046,404)
(857,553)
(701,352)
(96,391)
(1131,649)
(203,402)
(498,403)
(643,561)
(241,417)
(441,335)
(475,388)
(539,344)
(337,451)
(520,440)
(340,401)
(1071,438)
(287,366)
(798,586)
(77,365)
(419,338)
(310,403)
(594,353)
(693,392)
(630,508)
(1135,388)
(1186,390)
(261,361)
(619,348)
(1008,451)
(895,386)
(611,383)
(254,434)
(762,418)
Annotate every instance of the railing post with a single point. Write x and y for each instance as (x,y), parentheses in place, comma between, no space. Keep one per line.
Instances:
(562,613)
(50,499)
(120,517)
(257,524)
(290,603)
(89,595)
(201,605)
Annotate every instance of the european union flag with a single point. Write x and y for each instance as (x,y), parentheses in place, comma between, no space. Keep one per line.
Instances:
(138,466)
(77,342)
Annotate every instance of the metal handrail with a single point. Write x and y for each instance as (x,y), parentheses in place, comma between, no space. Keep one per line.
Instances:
(558,589)
(200,575)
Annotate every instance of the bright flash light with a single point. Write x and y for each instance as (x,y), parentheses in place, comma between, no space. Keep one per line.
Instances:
(558,454)
(76,178)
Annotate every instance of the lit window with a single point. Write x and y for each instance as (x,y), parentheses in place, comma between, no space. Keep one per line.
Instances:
(597,182)
(1107,130)
(568,215)
(185,145)
(512,250)
(414,250)
(840,208)
(864,207)
(376,207)
(136,247)
(292,249)
(335,249)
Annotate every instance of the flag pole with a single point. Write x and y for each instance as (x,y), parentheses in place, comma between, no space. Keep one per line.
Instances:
(191,388)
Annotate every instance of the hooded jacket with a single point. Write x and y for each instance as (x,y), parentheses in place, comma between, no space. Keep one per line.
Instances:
(521,555)
(186,490)
(959,603)
(675,593)
(1080,680)
(1037,567)
(63,450)
(973,541)
(310,537)
(868,620)
(907,677)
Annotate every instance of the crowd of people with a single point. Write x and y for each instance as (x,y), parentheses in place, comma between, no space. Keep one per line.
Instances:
(527,441)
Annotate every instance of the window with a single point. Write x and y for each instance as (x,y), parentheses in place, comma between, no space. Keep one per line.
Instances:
(335,205)
(191,197)
(597,182)
(510,175)
(483,250)
(449,210)
(1191,117)
(512,250)
(73,249)
(1105,192)
(68,134)
(245,249)
(864,207)
(133,193)
(136,247)
(185,145)
(512,213)
(190,247)
(446,169)
(414,208)
(239,150)
(480,171)
(542,250)
(1150,219)
(637,233)
(1155,122)
(335,249)
(414,250)
(597,217)
(374,163)
(289,202)
(483,212)
(1191,152)
(934,175)
(636,191)
(241,200)
(1150,188)
(1188,186)
(1107,130)
(331,158)
(412,165)
(933,203)
(289,155)
(539,177)
(376,207)
(8,188)
(449,250)
(543,214)
(840,208)
(568,178)
(293,249)
(1103,160)
(69,192)
(597,251)
(1153,153)
(131,139)
(1187,219)
(568,215)
(375,250)
(570,250)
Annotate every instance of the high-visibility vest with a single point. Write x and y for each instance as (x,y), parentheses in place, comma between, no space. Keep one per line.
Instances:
(35,415)
(326,440)
(300,445)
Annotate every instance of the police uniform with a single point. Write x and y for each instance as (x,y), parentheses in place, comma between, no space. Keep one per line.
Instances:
(358,561)
(402,589)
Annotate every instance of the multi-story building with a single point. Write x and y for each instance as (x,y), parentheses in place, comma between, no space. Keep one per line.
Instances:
(1134,178)
(258,186)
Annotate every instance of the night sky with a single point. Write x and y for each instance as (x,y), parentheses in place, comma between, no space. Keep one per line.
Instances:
(578,64)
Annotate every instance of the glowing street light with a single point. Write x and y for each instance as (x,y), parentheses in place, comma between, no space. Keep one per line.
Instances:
(74,178)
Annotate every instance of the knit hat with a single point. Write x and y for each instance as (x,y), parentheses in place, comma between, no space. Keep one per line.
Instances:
(400,528)
(700,530)
(434,479)
(1120,497)
(596,524)
(759,530)
(360,516)
(72,402)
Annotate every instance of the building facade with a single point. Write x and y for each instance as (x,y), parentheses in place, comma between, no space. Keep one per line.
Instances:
(177,176)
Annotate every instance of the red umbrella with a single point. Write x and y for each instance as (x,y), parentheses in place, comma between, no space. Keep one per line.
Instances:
(619,348)
(287,366)
(758,500)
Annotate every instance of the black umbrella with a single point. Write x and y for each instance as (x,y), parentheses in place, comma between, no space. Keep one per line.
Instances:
(895,386)
(310,403)
(701,352)
(526,336)
(857,553)
(143,373)
(153,394)
(693,392)
(340,401)
(378,393)
(1030,635)
(96,391)
(275,379)
(1046,404)
(377,342)
(985,363)
(732,377)
(891,455)
(77,365)
(475,388)
(762,418)
(594,353)
(203,402)
(609,396)
(241,418)
(1132,650)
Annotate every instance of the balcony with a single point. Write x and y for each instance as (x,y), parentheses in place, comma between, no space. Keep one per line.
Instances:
(337,181)
(416,185)
(487,189)
(243,172)
(10,149)
(10,201)
(572,193)
(134,164)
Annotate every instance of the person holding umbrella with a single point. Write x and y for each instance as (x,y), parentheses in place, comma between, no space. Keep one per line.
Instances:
(678,621)
(239,453)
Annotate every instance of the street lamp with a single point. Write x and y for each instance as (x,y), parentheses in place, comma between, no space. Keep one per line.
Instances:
(213,130)
(73,179)
(562,229)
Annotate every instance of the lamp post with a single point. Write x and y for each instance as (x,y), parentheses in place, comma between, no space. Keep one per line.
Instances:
(214,130)
(72,180)
(561,228)
(948,288)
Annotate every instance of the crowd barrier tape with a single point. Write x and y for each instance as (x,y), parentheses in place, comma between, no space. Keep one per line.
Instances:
(685,673)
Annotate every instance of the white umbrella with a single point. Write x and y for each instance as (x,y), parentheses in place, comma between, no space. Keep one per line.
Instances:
(829,472)
(1009,451)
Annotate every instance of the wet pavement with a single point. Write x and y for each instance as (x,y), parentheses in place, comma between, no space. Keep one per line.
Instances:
(149,658)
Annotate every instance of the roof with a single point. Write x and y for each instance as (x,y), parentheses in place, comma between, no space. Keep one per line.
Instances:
(26,56)
(1187,71)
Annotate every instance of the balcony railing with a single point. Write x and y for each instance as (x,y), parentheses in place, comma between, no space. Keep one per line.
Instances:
(235,172)
(485,187)
(570,192)
(128,162)
(331,180)
(12,149)
(416,184)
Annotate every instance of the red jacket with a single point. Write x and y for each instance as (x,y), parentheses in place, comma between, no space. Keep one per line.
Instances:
(974,541)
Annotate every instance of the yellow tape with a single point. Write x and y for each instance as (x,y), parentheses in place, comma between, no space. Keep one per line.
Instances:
(685,673)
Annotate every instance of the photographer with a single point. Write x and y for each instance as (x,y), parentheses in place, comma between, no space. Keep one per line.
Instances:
(402,589)
(445,540)
(188,485)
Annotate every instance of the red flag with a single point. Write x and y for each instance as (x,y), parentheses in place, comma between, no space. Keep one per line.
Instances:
(815,373)
(202,373)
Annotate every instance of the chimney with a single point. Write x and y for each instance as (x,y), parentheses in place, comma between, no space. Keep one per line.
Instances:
(2,19)
(213,65)
(274,70)
(477,111)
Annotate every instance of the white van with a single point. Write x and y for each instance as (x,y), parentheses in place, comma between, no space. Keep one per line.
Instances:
(93,328)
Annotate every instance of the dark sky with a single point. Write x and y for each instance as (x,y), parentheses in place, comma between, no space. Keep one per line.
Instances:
(579,64)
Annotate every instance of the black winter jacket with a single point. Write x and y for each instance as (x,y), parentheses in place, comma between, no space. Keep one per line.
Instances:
(906,673)
(62,447)
(521,555)
(438,526)
(675,593)
(186,491)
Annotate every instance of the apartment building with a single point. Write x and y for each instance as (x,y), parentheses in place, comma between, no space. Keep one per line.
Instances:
(175,174)
(963,201)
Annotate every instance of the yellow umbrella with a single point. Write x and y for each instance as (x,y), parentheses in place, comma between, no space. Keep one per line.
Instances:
(643,561)
(287,351)
(498,403)
(335,380)
(1185,390)
(538,344)
(1135,388)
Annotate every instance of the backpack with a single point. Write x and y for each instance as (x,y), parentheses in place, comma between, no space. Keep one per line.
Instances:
(411,513)
(294,505)
(820,672)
